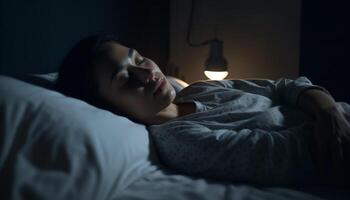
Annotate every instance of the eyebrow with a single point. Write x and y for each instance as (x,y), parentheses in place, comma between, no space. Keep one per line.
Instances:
(131,52)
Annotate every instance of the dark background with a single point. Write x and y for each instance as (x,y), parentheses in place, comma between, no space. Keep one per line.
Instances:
(35,35)
(324,56)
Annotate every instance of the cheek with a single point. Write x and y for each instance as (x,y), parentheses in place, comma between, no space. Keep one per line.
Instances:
(155,66)
(136,104)
(131,102)
(170,92)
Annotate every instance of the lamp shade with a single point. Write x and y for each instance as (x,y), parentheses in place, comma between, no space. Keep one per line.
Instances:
(216,63)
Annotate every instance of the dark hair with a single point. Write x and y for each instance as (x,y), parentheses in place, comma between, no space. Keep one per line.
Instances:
(75,72)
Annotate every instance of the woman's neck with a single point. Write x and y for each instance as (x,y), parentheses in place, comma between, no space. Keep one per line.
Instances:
(171,112)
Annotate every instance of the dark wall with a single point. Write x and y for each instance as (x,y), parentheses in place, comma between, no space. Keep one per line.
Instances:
(261,38)
(324,54)
(35,35)
(149,33)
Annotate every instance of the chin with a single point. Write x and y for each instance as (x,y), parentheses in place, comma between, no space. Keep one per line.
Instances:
(170,95)
(167,99)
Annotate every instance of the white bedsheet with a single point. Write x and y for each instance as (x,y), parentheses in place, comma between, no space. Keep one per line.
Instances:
(161,185)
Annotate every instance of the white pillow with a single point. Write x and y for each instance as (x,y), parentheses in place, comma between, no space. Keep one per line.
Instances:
(53,145)
(48,80)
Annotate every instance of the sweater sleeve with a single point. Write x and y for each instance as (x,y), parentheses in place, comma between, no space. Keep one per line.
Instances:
(284,90)
(289,90)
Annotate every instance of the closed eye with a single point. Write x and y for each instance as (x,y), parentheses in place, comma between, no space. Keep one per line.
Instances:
(136,57)
(119,67)
(140,61)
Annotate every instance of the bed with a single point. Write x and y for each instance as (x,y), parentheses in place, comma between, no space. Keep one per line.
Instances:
(56,147)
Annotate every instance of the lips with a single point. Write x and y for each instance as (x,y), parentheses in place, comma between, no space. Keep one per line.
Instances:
(158,86)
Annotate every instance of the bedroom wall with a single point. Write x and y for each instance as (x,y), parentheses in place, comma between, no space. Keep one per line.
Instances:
(261,38)
(35,35)
(324,47)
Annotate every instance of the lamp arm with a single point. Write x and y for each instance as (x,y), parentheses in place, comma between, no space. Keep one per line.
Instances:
(189,28)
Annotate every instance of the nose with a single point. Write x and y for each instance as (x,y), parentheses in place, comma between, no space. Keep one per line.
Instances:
(145,74)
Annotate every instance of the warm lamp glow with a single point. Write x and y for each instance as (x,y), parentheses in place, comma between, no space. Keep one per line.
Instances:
(215,67)
(216,75)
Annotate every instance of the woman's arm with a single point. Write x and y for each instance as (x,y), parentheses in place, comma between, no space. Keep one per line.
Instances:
(330,134)
(315,102)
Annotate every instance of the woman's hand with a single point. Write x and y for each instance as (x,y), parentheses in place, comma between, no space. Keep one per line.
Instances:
(332,138)
(330,144)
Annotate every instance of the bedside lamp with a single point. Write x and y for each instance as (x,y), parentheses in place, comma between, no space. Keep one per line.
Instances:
(216,65)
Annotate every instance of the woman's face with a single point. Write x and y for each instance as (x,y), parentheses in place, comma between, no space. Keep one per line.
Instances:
(131,83)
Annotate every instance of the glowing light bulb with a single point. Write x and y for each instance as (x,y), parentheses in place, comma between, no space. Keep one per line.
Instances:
(216,75)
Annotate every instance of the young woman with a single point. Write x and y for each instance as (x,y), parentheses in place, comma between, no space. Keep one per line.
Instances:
(111,76)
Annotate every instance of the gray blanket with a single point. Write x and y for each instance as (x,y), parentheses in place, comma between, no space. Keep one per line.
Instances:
(243,130)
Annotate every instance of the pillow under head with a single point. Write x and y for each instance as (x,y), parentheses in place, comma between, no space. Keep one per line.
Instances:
(51,144)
